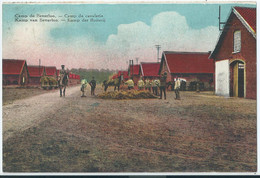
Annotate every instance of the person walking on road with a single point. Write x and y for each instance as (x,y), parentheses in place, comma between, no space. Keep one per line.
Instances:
(163,85)
(92,83)
(83,87)
(177,88)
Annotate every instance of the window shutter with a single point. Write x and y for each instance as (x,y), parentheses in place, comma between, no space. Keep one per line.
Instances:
(237,41)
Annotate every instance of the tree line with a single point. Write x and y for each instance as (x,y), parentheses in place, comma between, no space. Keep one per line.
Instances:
(99,74)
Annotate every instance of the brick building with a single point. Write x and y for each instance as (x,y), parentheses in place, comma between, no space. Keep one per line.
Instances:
(15,72)
(50,71)
(235,55)
(190,67)
(134,72)
(149,70)
(35,74)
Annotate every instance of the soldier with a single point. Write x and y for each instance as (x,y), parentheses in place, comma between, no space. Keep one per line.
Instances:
(148,85)
(62,81)
(157,84)
(62,71)
(140,84)
(163,85)
(177,88)
(130,83)
(83,87)
(92,83)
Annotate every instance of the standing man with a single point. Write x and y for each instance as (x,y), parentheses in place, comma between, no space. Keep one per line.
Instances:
(140,84)
(83,87)
(148,85)
(92,83)
(62,80)
(130,83)
(163,85)
(177,88)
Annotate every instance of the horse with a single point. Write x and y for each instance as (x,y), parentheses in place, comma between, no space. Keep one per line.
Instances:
(62,83)
(113,82)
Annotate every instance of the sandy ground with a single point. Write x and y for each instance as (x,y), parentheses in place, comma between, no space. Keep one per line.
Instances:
(200,133)
(25,113)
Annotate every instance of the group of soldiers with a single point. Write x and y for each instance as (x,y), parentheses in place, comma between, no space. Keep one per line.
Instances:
(153,85)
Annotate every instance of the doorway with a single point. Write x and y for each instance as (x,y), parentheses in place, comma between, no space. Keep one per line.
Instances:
(238,79)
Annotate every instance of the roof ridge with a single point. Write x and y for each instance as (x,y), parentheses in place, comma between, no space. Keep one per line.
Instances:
(34,66)
(185,52)
(15,59)
(244,7)
(51,66)
(149,62)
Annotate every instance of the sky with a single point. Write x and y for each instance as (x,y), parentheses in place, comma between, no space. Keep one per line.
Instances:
(124,32)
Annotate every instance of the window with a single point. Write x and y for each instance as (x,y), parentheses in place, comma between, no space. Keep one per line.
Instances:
(237,41)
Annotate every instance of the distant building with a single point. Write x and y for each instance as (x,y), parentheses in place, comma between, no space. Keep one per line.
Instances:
(15,72)
(35,74)
(149,70)
(190,67)
(74,79)
(134,72)
(50,71)
(235,55)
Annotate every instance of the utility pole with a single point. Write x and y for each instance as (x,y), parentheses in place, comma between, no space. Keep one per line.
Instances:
(219,20)
(39,66)
(136,60)
(131,63)
(158,47)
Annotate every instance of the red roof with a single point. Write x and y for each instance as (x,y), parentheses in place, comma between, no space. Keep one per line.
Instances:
(124,73)
(135,69)
(150,69)
(114,76)
(35,71)
(249,15)
(13,66)
(50,70)
(188,62)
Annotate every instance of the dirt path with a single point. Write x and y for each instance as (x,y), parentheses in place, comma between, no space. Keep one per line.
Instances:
(200,133)
(28,112)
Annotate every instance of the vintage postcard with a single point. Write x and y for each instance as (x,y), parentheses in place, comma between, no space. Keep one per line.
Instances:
(129,87)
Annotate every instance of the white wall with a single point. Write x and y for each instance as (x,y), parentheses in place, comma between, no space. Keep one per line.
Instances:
(222,78)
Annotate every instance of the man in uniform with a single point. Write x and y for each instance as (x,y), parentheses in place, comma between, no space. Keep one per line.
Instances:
(163,85)
(130,84)
(62,74)
(83,87)
(92,83)
(148,85)
(157,85)
(140,84)
(177,88)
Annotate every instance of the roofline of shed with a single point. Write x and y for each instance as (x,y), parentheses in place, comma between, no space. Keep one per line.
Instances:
(185,52)
(243,21)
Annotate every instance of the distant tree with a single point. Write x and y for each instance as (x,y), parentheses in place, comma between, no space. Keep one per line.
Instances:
(100,75)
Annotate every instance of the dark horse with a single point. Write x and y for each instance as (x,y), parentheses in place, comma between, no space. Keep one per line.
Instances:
(113,82)
(63,82)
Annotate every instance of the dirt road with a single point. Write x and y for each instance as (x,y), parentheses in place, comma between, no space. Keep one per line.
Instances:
(201,132)
(29,112)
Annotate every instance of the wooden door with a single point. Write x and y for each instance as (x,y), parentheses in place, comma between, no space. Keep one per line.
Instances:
(235,80)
